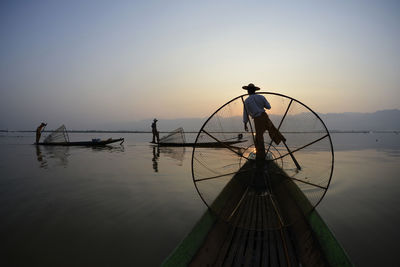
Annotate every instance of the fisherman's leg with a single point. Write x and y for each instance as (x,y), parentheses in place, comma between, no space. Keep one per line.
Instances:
(259,140)
(158,137)
(260,148)
(258,175)
(274,133)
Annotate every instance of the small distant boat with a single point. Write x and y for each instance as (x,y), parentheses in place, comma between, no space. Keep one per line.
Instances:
(60,137)
(177,139)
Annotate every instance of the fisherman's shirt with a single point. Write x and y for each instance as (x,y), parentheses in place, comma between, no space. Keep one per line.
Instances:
(254,105)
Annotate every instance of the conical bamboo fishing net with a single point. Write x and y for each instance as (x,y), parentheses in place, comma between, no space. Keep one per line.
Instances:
(226,178)
(60,135)
(177,136)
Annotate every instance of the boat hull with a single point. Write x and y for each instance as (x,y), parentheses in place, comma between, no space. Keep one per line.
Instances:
(206,144)
(242,228)
(84,143)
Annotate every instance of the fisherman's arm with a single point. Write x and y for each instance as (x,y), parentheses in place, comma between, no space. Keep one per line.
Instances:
(42,127)
(266,104)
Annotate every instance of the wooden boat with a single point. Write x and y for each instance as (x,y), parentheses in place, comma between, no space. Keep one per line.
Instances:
(258,214)
(84,143)
(177,138)
(59,137)
(244,227)
(205,144)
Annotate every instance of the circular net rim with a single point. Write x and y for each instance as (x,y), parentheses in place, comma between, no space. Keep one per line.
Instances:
(264,93)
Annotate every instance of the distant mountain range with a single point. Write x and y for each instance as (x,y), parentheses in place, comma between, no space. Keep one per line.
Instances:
(384,120)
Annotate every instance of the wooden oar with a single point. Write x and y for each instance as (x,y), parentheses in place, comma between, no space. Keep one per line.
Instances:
(292,156)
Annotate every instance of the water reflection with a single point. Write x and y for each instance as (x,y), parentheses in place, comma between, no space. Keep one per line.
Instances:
(58,155)
(50,153)
(122,190)
(176,153)
(108,148)
(156,155)
(40,158)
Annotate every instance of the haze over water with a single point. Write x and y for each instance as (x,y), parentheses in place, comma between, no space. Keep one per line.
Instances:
(132,204)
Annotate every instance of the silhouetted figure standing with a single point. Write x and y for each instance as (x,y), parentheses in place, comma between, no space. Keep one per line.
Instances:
(39,131)
(155,132)
(254,106)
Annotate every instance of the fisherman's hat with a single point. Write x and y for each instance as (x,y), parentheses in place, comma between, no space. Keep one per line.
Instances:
(155,119)
(251,87)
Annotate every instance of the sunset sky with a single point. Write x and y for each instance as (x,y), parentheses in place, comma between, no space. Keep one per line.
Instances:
(83,63)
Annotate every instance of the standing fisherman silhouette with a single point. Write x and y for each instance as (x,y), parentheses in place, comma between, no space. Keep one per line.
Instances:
(254,106)
(155,132)
(39,131)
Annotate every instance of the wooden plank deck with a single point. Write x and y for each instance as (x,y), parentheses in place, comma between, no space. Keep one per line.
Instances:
(254,234)
(230,245)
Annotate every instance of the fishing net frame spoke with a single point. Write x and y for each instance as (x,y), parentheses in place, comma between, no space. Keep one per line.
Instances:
(224,145)
(300,148)
(308,183)
(280,123)
(227,179)
(219,176)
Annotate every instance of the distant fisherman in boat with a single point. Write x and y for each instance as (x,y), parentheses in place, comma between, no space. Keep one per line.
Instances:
(39,131)
(254,106)
(155,132)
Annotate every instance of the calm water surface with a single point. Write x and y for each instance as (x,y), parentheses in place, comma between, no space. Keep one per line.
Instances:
(131,205)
